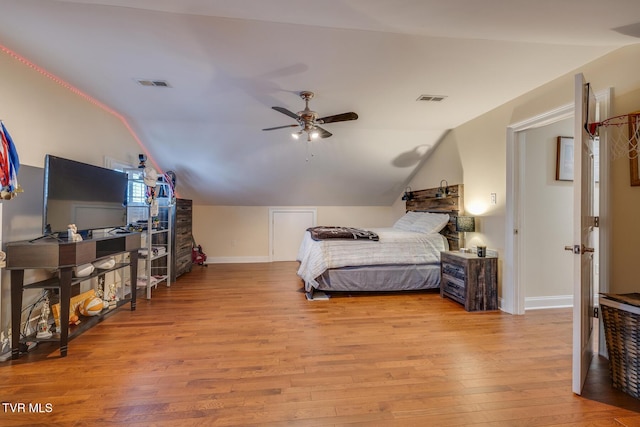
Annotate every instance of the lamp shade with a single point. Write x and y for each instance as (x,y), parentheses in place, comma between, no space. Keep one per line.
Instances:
(465,224)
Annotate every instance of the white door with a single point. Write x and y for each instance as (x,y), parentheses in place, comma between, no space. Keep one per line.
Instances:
(287,229)
(583,230)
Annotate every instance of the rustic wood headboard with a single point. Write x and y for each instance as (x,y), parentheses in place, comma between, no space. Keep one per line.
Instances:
(435,200)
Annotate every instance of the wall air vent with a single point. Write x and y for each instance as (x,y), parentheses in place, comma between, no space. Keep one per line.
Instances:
(431,98)
(156,83)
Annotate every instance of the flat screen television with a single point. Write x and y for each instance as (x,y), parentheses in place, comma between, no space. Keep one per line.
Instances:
(91,197)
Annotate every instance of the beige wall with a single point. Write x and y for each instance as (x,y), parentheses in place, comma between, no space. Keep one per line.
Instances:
(232,231)
(241,233)
(625,252)
(45,118)
(478,148)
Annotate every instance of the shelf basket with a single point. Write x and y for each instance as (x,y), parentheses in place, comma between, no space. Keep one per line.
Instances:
(621,318)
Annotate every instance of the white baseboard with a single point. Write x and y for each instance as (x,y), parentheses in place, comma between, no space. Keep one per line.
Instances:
(559,301)
(236,260)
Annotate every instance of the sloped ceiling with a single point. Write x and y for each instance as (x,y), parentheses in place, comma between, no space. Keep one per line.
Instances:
(228,62)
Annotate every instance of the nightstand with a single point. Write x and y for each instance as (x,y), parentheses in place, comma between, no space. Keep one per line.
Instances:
(470,280)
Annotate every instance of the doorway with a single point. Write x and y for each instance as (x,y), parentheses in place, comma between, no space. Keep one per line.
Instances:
(286,230)
(546,216)
(513,287)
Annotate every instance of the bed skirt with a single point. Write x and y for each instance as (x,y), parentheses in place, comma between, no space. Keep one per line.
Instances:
(378,278)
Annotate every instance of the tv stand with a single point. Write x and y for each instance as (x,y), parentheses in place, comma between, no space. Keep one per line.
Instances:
(53,253)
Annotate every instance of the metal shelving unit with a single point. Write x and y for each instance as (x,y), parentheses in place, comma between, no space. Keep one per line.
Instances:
(155,253)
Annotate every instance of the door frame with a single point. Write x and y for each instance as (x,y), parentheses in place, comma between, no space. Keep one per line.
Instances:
(513,292)
(274,210)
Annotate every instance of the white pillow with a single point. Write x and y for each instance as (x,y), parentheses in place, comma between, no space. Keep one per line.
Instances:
(406,221)
(429,222)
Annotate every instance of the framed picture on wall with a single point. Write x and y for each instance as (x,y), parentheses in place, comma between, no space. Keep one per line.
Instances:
(564,159)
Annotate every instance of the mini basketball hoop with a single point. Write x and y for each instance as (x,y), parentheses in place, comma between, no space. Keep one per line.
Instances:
(622,134)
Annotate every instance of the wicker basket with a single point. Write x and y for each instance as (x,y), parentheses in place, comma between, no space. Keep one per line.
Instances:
(621,318)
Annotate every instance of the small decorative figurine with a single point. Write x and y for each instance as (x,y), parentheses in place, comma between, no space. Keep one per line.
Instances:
(43,323)
(100,292)
(74,236)
(113,295)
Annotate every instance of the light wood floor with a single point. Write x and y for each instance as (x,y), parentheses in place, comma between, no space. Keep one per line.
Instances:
(239,345)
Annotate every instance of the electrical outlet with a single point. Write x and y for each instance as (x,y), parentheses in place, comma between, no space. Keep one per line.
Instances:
(494,198)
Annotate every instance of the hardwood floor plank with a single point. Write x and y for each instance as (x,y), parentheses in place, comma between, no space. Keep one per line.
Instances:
(239,345)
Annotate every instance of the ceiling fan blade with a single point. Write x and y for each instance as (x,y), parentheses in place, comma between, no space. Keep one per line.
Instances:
(286,112)
(323,132)
(282,127)
(338,118)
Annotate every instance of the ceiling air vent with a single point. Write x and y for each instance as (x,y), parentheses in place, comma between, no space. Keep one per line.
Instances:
(431,98)
(157,83)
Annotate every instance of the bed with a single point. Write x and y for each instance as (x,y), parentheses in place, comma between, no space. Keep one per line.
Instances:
(403,257)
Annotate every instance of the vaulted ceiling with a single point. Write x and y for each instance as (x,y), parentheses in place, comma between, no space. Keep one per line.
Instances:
(228,62)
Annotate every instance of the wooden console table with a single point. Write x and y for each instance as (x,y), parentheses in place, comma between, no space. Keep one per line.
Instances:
(51,253)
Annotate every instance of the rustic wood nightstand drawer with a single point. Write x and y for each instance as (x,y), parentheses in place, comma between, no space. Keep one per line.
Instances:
(452,270)
(453,288)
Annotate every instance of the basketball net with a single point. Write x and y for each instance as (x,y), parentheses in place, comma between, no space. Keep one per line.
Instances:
(622,134)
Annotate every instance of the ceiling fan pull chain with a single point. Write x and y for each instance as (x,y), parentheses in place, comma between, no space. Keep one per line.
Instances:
(309,151)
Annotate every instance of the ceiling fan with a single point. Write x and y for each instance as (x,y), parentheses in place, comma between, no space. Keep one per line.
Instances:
(308,120)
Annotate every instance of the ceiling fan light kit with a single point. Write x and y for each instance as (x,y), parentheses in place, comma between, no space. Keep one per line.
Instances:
(309,122)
